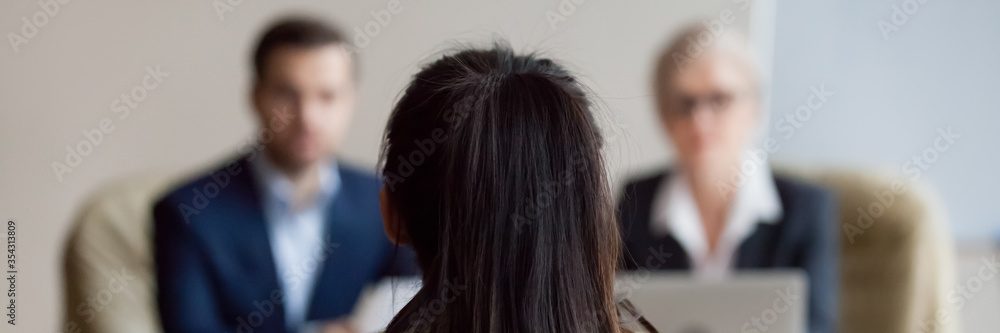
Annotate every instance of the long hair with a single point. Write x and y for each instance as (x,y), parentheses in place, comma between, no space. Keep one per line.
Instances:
(493,162)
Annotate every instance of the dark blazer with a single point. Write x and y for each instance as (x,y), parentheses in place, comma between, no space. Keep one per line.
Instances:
(805,238)
(214,264)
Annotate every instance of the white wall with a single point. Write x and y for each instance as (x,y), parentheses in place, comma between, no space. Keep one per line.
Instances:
(64,81)
(940,69)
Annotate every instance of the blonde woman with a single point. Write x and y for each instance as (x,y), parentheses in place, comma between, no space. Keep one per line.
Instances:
(711,218)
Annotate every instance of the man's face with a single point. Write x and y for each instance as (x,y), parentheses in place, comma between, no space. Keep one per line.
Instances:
(304,101)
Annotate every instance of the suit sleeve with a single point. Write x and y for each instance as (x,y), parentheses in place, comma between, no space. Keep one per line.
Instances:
(821,261)
(185,296)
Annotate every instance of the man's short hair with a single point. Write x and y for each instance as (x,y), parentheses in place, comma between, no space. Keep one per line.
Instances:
(295,31)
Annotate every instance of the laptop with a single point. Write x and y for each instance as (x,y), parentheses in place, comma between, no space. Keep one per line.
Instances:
(747,302)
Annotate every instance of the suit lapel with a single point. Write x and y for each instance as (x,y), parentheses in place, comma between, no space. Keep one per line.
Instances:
(333,294)
(758,250)
(665,253)
(649,251)
(251,241)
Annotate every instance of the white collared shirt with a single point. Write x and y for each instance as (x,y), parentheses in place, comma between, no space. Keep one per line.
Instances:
(296,237)
(675,212)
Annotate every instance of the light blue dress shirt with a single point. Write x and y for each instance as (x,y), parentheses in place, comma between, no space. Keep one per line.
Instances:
(297,238)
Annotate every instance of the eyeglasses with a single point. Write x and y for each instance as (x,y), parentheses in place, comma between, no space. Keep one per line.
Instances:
(683,105)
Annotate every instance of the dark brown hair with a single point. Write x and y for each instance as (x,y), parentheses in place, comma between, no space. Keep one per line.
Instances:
(295,31)
(493,162)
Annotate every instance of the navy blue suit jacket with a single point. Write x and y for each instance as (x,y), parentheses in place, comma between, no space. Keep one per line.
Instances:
(214,264)
(806,238)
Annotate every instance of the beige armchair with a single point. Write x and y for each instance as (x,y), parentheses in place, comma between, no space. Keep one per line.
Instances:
(895,274)
(897,269)
(108,265)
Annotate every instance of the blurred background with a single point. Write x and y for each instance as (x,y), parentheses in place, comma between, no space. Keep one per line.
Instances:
(900,73)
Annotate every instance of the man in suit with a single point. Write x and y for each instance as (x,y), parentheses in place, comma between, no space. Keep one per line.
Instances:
(284,237)
(719,210)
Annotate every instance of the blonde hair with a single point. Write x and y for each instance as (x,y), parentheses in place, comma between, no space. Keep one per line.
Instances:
(694,41)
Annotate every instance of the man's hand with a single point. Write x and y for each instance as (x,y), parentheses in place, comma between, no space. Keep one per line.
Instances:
(337,326)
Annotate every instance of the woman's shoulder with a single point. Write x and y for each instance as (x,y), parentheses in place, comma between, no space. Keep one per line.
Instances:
(799,194)
(809,210)
(644,183)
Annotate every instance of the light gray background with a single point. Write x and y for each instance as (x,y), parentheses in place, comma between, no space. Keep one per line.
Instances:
(940,69)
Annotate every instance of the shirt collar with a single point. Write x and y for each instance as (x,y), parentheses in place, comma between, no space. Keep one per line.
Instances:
(674,210)
(276,186)
(759,197)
